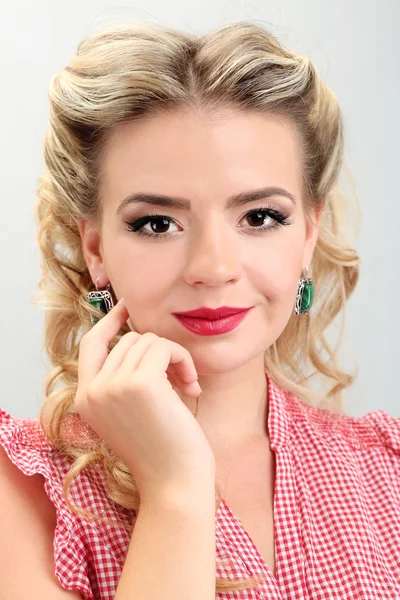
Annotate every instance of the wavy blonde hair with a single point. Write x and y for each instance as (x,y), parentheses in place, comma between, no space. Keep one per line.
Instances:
(133,71)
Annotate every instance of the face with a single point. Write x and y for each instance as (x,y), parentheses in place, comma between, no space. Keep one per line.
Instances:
(242,255)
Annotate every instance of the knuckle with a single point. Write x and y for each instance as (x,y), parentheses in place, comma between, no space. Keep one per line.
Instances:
(94,391)
(131,335)
(118,388)
(111,390)
(139,383)
(150,335)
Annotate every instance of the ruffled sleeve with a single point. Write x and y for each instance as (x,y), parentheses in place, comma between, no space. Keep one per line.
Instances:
(387,428)
(29,449)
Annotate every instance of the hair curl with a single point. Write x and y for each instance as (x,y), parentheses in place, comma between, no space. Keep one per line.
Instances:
(133,71)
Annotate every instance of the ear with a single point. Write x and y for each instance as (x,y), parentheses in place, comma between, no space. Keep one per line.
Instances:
(312,232)
(91,248)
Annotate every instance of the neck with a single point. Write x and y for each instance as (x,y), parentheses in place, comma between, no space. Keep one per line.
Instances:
(233,407)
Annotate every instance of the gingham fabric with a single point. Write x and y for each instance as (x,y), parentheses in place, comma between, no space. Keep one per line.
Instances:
(336,509)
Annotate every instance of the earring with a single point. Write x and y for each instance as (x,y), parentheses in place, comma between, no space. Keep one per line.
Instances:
(305,295)
(100,299)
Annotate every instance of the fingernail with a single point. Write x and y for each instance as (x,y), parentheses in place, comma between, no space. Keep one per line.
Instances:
(120,301)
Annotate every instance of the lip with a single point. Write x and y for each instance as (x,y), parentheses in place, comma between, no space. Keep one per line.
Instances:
(213,313)
(207,327)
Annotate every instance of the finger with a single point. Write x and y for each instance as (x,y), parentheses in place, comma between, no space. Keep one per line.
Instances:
(172,379)
(93,349)
(134,355)
(164,352)
(118,353)
(171,369)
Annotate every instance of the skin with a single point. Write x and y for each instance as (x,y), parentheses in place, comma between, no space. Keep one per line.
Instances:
(212,257)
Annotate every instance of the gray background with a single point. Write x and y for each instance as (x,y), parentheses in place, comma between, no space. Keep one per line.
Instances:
(352,43)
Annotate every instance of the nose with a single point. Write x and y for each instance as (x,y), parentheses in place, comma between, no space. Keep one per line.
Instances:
(213,255)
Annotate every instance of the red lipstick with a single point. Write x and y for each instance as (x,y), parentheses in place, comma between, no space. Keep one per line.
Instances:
(209,321)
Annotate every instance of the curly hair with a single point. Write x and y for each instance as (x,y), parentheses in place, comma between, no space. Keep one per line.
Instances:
(133,71)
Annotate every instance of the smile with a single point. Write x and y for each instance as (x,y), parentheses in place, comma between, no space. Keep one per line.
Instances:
(212,327)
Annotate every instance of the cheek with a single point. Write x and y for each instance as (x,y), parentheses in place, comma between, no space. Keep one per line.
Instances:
(277,270)
(139,268)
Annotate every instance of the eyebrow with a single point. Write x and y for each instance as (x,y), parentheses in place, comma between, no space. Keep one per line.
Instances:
(184,204)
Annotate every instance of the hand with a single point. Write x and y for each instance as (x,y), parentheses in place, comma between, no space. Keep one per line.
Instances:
(127,399)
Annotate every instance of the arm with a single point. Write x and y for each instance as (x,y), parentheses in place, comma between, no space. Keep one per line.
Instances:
(27,523)
(172,550)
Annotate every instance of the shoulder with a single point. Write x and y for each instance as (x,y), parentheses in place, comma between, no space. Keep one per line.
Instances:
(33,499)
(81,545)
(16,486)
(28,518)
(337,451)
(377,428)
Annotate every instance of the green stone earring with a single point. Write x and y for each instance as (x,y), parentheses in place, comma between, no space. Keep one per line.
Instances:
(100,299)
(305,295)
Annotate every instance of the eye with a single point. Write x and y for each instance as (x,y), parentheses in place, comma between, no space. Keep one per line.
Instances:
(155,222)
(275,219)
(257,218)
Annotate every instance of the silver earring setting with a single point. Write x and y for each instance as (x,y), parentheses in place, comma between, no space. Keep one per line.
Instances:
(100,299)
(305,295)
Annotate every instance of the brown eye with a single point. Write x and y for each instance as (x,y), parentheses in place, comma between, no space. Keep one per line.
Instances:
(159,225)
(257,218)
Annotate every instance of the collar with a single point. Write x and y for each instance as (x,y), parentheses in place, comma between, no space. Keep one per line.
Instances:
(280,421)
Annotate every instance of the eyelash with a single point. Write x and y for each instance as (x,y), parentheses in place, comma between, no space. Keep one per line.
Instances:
(280,219)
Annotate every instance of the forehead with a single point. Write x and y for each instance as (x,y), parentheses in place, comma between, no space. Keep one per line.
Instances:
(188,153)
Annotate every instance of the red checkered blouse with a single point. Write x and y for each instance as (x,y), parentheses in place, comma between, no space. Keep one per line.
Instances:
(336,509)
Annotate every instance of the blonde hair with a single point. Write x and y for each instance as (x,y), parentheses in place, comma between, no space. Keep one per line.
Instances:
(133,71)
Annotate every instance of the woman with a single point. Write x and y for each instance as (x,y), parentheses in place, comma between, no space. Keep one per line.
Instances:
(196,174)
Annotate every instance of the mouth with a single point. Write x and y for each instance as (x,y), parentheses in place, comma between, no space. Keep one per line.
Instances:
(215,326)
(213,314)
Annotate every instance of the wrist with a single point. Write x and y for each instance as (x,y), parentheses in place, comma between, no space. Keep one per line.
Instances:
(183,495)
